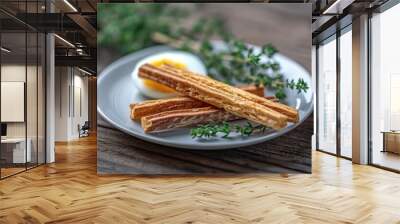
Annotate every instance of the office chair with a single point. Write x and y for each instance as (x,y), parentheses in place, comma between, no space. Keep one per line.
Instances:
(84,130)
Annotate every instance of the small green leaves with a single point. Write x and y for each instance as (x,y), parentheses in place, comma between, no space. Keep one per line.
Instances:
(300,85)
(240,63)
(254,59)
(280,94)
(213,129)
(269,50)
(210,130)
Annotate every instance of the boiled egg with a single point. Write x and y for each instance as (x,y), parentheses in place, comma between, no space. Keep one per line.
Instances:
(178,59)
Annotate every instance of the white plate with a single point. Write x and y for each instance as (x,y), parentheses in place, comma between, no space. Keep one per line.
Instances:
(116,91)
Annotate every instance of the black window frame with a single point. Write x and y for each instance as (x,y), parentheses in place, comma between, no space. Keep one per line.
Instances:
(332,33)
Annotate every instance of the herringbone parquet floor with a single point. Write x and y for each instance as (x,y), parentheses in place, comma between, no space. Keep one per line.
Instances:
(69,191)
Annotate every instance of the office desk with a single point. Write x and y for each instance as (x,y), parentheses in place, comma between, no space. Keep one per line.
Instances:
(391,141)
(16,147)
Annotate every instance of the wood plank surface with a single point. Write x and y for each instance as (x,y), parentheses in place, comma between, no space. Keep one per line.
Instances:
(121,153)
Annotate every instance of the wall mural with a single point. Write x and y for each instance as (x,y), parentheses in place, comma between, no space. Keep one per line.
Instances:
(204,88)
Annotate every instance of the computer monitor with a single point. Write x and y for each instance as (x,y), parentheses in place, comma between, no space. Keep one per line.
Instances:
(3,129)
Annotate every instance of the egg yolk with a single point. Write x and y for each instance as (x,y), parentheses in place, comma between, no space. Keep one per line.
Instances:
(157,86)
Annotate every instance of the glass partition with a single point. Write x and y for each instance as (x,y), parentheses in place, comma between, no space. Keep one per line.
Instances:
(334,103)
(327,95)
(22,77)
(346,93)
(14,153)
(385,89)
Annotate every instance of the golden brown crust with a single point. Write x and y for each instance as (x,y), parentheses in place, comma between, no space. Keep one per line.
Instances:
(182,118)
(290,112)
(156,106)
(185,117)
(149,107)
(217,94)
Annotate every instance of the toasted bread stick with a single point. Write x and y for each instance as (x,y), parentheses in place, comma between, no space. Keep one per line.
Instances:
(182,118)
(291,113)
(148,107)
(217,94)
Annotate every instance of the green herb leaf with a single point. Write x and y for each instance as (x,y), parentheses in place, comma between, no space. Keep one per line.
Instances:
(213,129)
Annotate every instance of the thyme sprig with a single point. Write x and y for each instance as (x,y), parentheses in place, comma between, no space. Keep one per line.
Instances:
(239,63)
(213,129)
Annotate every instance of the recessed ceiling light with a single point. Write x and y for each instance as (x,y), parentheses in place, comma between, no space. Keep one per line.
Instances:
(84,71)
(64,40)
(70,5)
(338,6)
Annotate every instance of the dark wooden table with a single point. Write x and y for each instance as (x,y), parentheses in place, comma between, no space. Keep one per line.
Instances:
(288,27)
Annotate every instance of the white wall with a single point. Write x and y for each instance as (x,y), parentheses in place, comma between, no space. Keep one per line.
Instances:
(17,73)
(62,81)
(80,108)
(14,73)
(71,93)
(33,126)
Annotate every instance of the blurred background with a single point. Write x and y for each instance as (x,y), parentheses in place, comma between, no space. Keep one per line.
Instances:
(120,28)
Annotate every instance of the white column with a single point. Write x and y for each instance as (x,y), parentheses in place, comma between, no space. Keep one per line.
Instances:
(50,92)
(314,89)
(50,100)
(360,90)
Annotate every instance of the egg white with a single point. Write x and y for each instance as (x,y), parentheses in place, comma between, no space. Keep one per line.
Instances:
(191,61)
